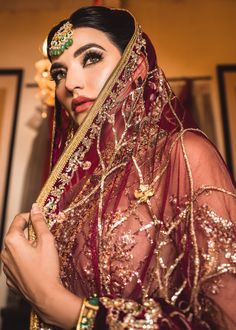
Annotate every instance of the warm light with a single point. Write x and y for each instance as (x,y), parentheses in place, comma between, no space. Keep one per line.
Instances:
(46,85)
(45,74)
(44,114)
(44,48)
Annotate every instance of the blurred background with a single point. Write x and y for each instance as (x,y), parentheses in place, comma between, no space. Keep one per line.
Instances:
(196,48)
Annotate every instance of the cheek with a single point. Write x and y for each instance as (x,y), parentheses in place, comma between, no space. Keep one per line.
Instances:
(98,78)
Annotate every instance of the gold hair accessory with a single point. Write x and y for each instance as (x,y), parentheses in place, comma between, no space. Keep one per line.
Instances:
(88,313)
(61,40)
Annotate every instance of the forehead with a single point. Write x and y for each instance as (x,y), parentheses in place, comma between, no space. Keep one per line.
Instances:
(85,35)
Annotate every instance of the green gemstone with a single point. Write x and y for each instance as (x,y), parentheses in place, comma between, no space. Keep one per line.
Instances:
(70,41)
(84,322)
(94,301)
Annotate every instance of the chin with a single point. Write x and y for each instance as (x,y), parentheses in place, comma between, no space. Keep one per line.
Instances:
(81,116)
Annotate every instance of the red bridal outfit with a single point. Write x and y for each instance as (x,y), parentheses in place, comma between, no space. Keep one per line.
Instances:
(142,206)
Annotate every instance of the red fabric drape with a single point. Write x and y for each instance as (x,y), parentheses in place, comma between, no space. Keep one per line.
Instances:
(141,205)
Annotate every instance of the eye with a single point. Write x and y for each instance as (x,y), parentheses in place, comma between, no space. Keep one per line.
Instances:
(57,75)
(92,57)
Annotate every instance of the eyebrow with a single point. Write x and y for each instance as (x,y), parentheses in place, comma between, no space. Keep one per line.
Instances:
(82,49)
(77,53)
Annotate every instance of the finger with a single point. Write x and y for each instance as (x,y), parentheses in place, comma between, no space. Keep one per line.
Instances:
(19,224)
(15,238)
(38,221)
(4,255)
(8,273)
(33,242)
(10,282)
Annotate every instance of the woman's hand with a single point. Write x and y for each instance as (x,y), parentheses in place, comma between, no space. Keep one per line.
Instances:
(32,268)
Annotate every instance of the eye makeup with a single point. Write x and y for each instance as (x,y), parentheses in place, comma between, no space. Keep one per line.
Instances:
(92,57)
(88,57)
(58,74)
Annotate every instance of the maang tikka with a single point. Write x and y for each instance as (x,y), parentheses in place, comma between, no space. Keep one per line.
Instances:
(61,40)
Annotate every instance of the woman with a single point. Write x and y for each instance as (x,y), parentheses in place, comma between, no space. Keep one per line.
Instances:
(139,204)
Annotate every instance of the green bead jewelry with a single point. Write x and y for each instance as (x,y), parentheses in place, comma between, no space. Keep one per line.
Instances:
(61,40)
(88,313)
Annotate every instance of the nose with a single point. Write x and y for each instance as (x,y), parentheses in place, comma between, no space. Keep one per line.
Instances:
(74,80)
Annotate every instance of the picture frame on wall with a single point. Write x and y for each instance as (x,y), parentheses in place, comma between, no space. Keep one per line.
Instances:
(195,93)
(10,88)
(227,90)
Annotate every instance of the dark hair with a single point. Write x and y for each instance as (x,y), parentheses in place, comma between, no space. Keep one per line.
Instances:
(117,24)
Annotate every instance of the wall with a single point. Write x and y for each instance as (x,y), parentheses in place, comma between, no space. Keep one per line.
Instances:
(191,37)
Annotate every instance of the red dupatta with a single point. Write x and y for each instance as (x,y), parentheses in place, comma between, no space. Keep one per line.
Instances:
(141,204)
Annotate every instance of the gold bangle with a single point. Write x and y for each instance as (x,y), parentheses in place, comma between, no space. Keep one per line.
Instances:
(88,313)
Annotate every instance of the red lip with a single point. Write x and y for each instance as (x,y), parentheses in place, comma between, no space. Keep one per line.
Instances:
(81,103)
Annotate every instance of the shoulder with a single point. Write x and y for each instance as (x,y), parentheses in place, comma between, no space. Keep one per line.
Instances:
(203,160)
(198,147)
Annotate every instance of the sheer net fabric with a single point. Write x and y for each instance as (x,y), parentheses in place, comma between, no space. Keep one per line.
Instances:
(142,206)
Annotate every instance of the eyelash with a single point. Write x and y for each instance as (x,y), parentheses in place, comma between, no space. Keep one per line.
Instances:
(93,56)
(55,75)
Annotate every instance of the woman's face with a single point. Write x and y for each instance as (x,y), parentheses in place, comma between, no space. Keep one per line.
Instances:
(82,70)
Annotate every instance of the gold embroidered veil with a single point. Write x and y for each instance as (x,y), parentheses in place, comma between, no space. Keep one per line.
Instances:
(142,206)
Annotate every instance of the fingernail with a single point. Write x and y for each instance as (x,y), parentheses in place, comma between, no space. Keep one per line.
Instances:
(35,209)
